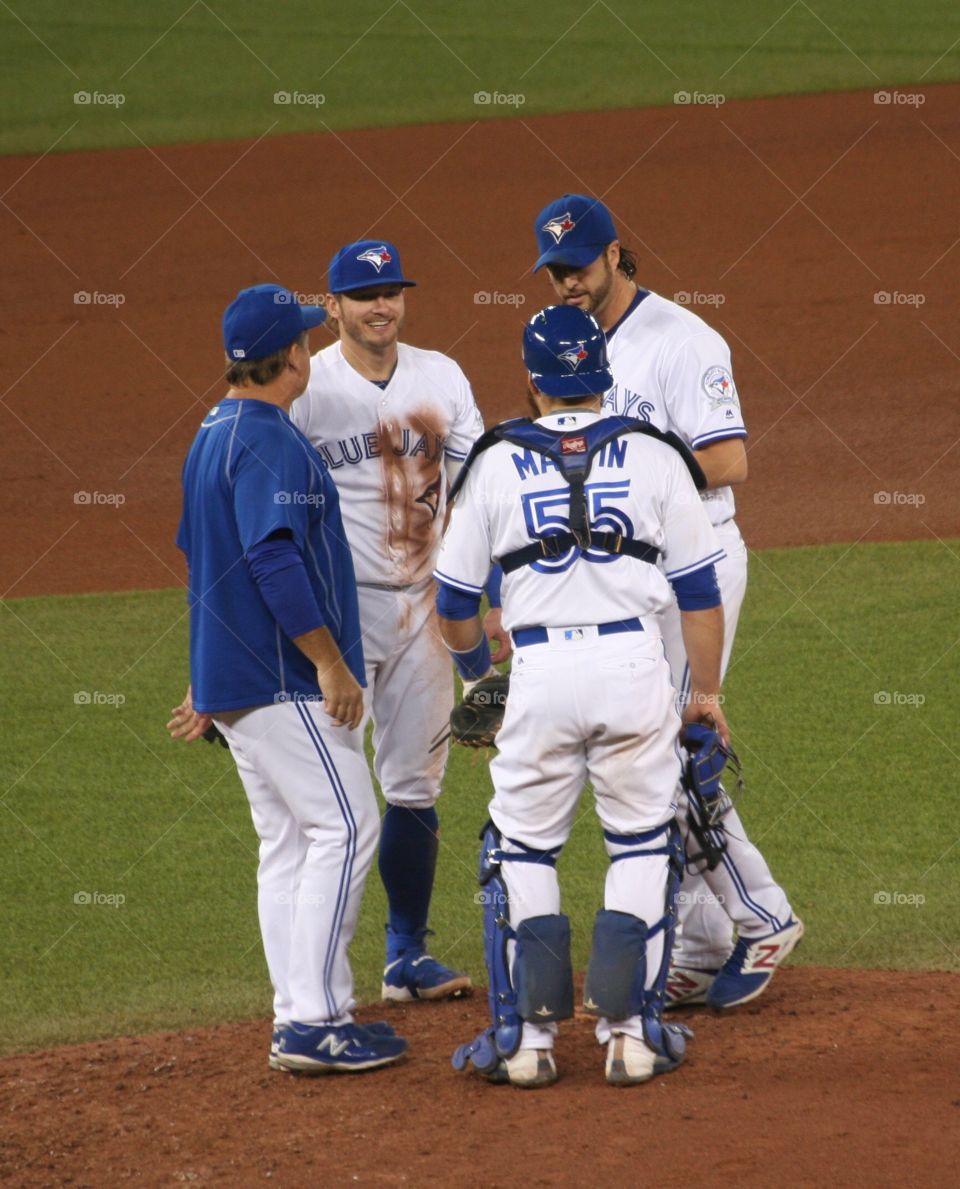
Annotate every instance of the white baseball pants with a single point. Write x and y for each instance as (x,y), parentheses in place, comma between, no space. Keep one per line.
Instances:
(600,709)
(409,692)
(742,890)
(315,813)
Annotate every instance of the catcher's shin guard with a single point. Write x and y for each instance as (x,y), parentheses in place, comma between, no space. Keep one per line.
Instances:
(617,976)
(544,989)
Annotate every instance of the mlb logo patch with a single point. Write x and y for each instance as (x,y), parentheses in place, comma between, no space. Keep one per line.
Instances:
(573,634)
(239,353)
(573,445)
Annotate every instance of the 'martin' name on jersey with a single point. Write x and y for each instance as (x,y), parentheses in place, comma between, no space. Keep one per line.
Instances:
(530,462)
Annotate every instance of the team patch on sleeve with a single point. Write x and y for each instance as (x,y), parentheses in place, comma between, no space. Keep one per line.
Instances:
(719,386)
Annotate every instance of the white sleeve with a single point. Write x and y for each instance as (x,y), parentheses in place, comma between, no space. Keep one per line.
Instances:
(300,413)
(464,559)
(467,423)
(700,393)
(690,540)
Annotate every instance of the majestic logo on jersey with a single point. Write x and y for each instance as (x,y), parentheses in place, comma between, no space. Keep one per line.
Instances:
(378,257)
(559,227)
(719,387)
(575,356)
(573,445)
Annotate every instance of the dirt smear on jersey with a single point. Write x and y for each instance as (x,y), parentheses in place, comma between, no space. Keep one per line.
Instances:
(843,1077)
(412,467)
(817,233)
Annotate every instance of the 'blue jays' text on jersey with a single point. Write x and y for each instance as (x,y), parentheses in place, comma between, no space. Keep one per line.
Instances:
(249,473)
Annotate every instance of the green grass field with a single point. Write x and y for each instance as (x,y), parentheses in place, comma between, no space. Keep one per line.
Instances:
(851,791)
(203,70)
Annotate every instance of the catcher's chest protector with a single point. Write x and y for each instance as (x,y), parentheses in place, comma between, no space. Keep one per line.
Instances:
(573,454)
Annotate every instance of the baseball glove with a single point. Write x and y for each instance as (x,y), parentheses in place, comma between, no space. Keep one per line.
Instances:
(707,800)
(475,722)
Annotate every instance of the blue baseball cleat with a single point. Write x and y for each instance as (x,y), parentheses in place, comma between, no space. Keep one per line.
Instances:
(418,976)
(345,1048)
(752,965)
(378,1028)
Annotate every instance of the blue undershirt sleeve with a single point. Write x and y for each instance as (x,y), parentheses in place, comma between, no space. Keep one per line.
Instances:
(698,590)
(281,577)
(493,586)
(456,604)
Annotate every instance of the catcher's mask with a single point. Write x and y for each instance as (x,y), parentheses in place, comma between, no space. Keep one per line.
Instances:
(565,352)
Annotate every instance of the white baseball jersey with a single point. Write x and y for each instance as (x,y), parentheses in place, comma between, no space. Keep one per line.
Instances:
(385,449)
(671,369)
(637,486)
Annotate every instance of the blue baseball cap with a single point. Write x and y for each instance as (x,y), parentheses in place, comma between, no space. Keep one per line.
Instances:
(264,319)
(565,352)
(366,263)
(572,231)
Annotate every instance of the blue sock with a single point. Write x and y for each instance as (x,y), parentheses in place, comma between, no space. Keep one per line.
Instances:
(408,860)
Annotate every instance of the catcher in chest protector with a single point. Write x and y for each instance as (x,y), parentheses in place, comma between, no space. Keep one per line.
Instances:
(577,510)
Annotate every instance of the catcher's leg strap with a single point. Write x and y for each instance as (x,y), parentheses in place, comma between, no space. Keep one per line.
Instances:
(542,969)
(502,1038)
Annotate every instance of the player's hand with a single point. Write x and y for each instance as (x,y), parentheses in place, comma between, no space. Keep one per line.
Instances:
(707,709)
(342,695)
(495,633)
(186,723)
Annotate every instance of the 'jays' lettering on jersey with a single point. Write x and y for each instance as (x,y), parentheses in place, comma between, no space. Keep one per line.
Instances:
(671,369)
(637,486)
(250,473)
(385,449)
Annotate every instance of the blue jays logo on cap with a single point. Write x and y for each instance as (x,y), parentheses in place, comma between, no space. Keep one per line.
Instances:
(572,231)
(558,227)
(365,263)
(575,356)
(378,257)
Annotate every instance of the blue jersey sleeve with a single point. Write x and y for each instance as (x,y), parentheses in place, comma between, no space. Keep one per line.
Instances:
(274,488)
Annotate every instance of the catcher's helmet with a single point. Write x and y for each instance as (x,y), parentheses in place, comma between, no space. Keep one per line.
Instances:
(565,352)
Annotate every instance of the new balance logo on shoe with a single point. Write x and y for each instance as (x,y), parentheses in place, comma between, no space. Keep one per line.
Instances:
(331,1045)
